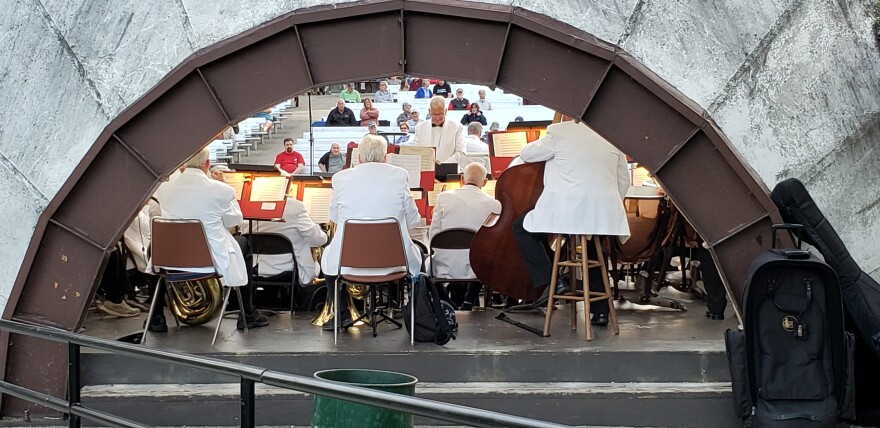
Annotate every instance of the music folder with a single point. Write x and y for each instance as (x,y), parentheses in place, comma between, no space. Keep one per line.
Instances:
(263,197)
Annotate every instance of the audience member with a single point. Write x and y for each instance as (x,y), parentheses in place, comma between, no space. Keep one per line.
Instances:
(383,95)
(194,195)
(468,208)
(459,102)
(341,116)
(475,115)
(407,113)
(349,94)
(483,102)
(404,140)
(373,189)
(270,120)
(443,89)
(413,121)
(332,161)
(290,161)
(413,83)
(473,141)
(425,90)
(369,113)
(303,233)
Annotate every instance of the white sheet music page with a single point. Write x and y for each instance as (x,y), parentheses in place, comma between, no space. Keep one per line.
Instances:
(411,163)
(268,189)
(317,202)
(509,145)
(426,153)
(236,181)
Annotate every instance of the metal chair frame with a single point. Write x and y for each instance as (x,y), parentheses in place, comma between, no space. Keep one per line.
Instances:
(266,243)
(452,239)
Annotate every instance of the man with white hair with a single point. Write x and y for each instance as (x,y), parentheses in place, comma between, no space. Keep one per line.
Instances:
(467,207)
(195,195)
(473,141)
(446,136)
(373,189)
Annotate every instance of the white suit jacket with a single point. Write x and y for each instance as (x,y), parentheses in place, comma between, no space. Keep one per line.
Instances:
(585,180)
(449,140)
(302,232)
(137,236)
(195,195)
(467,208)
(371,190)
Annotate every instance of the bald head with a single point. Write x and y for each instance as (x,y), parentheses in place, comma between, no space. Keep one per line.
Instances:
(475,174)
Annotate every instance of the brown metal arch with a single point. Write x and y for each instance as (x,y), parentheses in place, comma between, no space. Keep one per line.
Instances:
(578,75)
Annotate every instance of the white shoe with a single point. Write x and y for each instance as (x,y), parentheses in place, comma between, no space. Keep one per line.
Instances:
(118,309)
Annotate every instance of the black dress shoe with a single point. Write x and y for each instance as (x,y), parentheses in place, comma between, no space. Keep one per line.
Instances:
(254,320)
(344,324)
(157,324)
(561,288)
(600,320)
(714,317)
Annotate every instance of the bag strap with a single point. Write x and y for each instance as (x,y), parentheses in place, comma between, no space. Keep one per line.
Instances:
(434,297)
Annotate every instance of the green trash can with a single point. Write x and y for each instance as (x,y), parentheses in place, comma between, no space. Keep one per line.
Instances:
(334,413)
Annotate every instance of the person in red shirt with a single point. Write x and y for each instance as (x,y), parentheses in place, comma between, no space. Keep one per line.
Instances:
(289,161)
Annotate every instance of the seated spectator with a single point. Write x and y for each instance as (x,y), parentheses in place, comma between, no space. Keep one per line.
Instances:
(443,89)
(383,95)
(372,128)
(332,161)
(474,143)
(341,116)
(349,94)
(459,102)
(475,115)
(413,121)
(369,113)
(492,128)
(289,161)
(407,113)
(403,140)
(483,102)
(413,83)
(270,120)
(425,90)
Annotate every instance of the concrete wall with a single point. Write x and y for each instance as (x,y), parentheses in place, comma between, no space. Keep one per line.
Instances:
(792,83)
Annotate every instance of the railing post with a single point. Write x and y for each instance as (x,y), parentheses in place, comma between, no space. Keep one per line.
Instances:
(73,383)
(248,403)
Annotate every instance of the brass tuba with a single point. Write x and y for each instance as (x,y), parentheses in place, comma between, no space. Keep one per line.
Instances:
(354,291)
(195,302)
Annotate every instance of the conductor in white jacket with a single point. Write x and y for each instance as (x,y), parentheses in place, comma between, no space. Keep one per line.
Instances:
(585,181)
(373,189)
(446,136)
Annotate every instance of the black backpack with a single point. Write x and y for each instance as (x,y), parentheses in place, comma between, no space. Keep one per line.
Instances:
(791,366)
(435,316)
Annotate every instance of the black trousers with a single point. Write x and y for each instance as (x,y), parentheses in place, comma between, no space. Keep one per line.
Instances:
(114,280)
(716,296)
(247,291)
(539,262)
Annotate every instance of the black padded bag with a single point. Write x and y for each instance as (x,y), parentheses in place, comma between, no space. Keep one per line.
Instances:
(791,365)
(861,293)
(435,316)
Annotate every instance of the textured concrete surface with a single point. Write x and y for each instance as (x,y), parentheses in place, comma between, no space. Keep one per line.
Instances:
(792,83)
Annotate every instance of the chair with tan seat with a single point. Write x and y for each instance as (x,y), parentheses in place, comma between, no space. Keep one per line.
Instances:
(452,239)
(180,252)
(371,244)
(579,260)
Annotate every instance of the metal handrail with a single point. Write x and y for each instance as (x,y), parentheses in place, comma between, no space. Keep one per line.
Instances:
(249,376)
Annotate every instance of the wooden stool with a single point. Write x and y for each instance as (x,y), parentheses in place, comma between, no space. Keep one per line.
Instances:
(584,294)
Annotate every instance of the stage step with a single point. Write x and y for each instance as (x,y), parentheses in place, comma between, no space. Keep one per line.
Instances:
(573,403)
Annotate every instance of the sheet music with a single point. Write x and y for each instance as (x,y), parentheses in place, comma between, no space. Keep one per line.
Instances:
(432,198)
(317,202)
(489,188)
(236,181)
(639,175)
(268,189)
(508,145)
(412,165)
(416,194)
(426,153)
(355,159)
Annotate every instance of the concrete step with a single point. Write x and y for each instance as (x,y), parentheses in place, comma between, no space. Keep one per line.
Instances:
(572,403)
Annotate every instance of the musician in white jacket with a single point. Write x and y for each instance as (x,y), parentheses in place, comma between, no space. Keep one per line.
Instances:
(446,136)
(463,208)
(196,195)
(585,181)
(372,189)
(303,233)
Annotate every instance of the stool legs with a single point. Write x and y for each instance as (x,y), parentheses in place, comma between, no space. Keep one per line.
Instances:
(552,285)
(612,313)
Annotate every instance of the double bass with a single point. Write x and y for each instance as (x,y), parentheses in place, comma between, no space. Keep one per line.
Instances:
(495,255)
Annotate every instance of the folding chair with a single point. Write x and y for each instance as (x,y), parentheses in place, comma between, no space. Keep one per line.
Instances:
(451,239)
(181,253)
(372,243)
(274,244)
